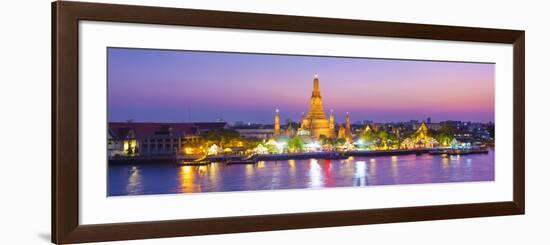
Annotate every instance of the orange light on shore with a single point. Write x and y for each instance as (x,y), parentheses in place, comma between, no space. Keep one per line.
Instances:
(188,150)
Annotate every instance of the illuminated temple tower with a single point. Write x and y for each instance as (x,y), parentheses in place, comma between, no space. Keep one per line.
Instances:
(315,121)
(348,128)
(331,121)
(277,125)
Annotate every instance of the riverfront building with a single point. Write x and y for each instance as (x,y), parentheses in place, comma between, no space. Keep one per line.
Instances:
(148,139)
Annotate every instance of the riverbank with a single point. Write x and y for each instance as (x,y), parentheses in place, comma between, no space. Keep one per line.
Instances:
(244,159)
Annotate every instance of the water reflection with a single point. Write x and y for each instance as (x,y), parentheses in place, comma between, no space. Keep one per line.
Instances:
(315,175)
(186,179)
(292,167)
(394,169)
(261,164)
(134,181)
(311,173)
(360,173)
(372,170)
(445,162)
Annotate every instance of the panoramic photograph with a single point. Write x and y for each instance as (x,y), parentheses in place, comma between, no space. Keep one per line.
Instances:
(203,121)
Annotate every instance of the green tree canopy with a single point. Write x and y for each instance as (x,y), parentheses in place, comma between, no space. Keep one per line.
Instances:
(383,137)
(369,137)
(445,135)
(220,137)
(295,144)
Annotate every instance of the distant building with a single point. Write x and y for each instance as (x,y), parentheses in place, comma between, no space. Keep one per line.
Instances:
(256,133)
(453,124)
(434,126)
(210,126)
(136,138)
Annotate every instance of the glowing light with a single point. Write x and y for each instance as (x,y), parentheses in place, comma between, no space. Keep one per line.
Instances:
(292,163)
(186,177)
(261,164)
(249,170)
(213,150)
(189,150)
(360,170)
(313,146)
(280,146)
(202,169)
(260,149)
(130,146)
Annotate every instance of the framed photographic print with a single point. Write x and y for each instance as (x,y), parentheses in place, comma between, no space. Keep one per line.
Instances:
(175,122)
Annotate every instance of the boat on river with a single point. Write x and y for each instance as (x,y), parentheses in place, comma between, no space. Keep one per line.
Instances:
(335,156)
(250,159)
(202,161)
(459,151)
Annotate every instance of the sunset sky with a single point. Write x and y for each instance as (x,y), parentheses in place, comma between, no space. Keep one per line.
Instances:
(177,86)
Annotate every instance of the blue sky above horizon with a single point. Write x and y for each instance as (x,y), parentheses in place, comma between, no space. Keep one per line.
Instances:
(177,86)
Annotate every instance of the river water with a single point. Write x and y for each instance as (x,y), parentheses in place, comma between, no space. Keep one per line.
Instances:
(143,179)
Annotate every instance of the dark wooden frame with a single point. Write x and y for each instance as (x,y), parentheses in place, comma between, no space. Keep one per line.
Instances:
(65,208)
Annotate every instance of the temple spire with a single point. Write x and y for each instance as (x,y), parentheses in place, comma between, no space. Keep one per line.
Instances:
(348,127)
(316,90)
(341,131)
(277,125)
(315,121)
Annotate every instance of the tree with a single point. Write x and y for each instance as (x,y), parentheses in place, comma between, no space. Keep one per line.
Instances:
(295,144)
(445,135)
(369,137)
(326,141)
(323,139)
(383,137)
(341,141)
(221,137)
(393,141)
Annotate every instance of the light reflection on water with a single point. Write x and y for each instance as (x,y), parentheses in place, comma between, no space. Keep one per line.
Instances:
(315,176)
(360,173)
(299,174)
(134,182)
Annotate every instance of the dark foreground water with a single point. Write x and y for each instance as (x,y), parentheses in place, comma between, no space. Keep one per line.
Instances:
(298,174)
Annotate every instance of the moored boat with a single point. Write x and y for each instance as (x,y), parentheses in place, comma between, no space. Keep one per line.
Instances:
(194,163)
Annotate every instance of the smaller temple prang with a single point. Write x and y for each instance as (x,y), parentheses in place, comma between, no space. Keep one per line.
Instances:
(348,128)
(277,125)
(341,131)
(289,131)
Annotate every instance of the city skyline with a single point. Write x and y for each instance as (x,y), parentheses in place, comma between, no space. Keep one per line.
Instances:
(176,86)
